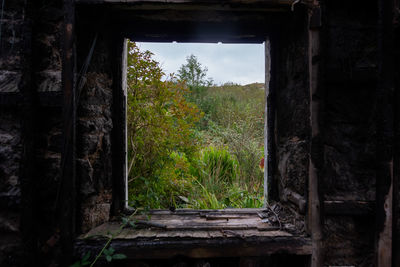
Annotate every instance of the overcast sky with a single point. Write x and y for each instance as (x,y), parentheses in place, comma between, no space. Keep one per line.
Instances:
(237,63)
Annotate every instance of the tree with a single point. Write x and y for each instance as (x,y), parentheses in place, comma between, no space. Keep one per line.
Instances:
(193,73)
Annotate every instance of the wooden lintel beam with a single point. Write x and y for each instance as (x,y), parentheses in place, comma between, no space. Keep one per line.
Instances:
(196,39)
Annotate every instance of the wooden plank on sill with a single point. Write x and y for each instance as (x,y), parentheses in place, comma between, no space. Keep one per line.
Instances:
(215,227)
(203,217)
(197,223)
(159,234)
(106,229)
(218,212)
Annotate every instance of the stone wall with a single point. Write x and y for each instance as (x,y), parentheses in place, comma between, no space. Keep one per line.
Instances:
(41,133)
(47,47)
(14,31)
(94,170)
(94,128)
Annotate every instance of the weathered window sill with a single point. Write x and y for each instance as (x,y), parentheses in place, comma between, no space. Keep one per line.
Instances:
(197,234)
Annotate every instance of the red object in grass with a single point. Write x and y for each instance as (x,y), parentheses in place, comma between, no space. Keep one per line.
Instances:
(262,164)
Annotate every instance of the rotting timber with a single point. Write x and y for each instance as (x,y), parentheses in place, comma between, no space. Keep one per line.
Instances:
(198,234)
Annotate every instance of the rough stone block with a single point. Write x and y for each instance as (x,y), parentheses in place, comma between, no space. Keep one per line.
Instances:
(9,81)
(96,210)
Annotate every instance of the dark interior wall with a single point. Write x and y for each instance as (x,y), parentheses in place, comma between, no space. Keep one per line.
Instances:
(350,84)
(31,133)
(347,121)
(10,190)
(30,148)
(47,123)
(292,105)
(349,127)
(12,65)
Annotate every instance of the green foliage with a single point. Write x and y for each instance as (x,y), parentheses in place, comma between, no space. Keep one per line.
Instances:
(191,146)
(160,121)
(109,255)
(219,166)
(234,118)
(216,173)
(237,197)
(193,73)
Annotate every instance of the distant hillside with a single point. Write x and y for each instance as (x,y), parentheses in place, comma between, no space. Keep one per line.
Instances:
(255,85)
(249,86)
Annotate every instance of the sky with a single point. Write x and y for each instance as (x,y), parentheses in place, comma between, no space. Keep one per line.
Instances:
(237,63)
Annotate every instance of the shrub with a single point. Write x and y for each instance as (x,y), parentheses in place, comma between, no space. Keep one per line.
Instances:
(219,167)
(238,197)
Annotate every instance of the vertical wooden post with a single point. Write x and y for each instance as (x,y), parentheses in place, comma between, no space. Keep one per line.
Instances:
(385,135)
(314,195)
(67,207)
(119,132)
(269,119)
(266,117)
(125,119)
(396,119)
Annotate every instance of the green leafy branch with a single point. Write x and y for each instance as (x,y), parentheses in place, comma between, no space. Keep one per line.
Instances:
(107,251)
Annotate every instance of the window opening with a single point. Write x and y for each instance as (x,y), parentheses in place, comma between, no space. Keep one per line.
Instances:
(195,125)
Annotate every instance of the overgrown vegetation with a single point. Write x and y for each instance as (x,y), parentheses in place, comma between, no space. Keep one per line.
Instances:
(191,144)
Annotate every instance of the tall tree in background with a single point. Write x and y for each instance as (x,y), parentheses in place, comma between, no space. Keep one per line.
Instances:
(193,73)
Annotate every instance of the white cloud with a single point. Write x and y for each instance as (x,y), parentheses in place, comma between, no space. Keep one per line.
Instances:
(238,63)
